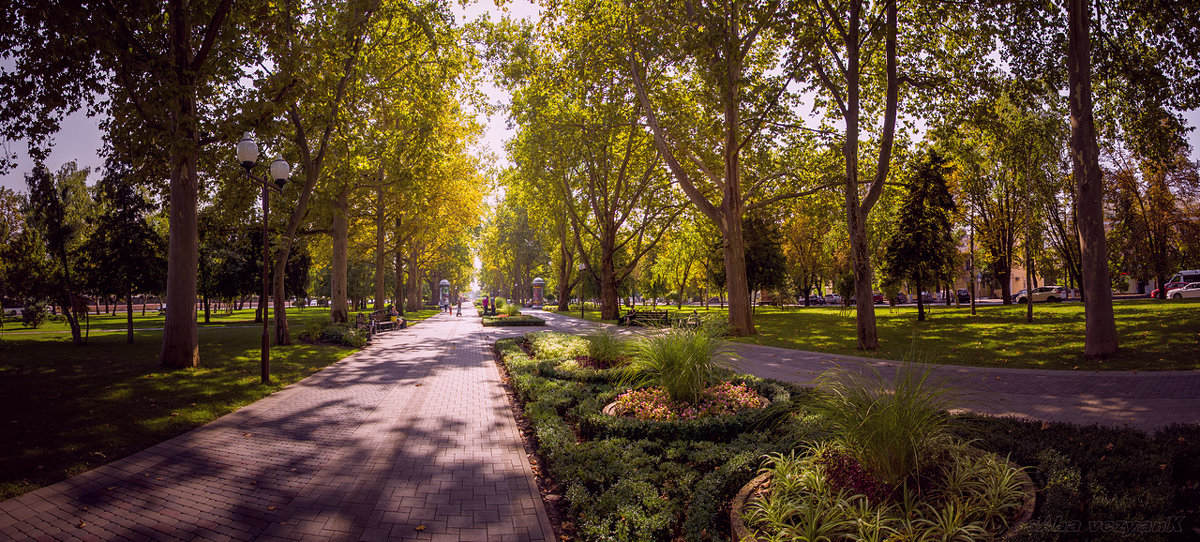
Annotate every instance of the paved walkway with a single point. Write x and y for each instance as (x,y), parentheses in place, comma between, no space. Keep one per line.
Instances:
(1141,400)
(411,438)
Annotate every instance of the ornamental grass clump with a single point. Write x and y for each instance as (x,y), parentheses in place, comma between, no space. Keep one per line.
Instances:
(683,362)
(606,349)
(891,428)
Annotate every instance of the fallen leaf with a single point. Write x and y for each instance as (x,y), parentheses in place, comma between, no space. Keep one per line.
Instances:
(112,488)
(272,508)
(1108,446)
(419,528)
(174,413)
(247,434)
(1162,466)
(81,525)
(1045,426)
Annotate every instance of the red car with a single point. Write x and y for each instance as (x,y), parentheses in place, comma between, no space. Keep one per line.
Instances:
(877,298)
(1170,286)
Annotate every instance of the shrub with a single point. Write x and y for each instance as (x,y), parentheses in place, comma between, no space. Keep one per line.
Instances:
(34,314)
(557,346)
(342,334)
(682,361)
(510,309)
(889,427)
(503,320)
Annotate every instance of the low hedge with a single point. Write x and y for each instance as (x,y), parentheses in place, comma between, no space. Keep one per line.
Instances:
(520,320)
(630,480)
(623,482)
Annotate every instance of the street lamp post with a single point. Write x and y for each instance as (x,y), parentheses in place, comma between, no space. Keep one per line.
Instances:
(247,154)
(582,268)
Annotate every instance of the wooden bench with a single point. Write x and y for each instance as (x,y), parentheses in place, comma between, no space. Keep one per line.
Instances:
(692,321)
(381,321)
(646,318)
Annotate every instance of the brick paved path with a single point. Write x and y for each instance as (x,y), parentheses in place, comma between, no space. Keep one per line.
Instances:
(414,430)
(1142,400)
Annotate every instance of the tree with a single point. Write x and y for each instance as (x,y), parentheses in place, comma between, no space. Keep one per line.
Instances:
(567,86)
(864,60)
(125,250)
(1144,58)
(161,67)
(921,249)
(710,80)
(765,263)
(1150,222)
(59,208)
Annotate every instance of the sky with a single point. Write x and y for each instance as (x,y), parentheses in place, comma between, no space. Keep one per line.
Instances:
(80,137)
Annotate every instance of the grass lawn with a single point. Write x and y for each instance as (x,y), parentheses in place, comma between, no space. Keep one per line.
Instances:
(1154,335)
(67,408)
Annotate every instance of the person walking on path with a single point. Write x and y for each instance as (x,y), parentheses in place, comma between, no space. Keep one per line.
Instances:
(459,307)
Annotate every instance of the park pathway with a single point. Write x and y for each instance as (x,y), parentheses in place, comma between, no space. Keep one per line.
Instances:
(1145,400)
(411,438)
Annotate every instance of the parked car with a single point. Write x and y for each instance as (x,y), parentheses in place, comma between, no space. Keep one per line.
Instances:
(964,296)
(877,297)
(1181,279)
(1039,294)
(901,297)
(1191,289)
(815,299)
(833,299)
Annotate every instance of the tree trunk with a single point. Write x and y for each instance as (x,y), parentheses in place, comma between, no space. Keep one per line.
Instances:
(129,316)
(414,281)
(380,250)
(340,312)
(1100,332)
(180,346)
(564,277)
(920,301)
(399,283)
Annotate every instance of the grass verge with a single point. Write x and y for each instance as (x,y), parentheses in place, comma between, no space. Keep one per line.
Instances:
(1154,335)
(67,408)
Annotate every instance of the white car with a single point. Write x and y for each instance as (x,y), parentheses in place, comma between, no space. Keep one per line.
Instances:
(833,299)
(1191,289)
(1041,293)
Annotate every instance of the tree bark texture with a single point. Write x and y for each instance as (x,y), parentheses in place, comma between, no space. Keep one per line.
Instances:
(1100,332)
(340,313)
(180,346)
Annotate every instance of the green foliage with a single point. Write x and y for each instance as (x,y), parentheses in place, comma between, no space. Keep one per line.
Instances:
(922,249)
(33,314)
(557,346)
(522,320)
(333,333)
(891,428)
(606,348)
(682,361)
(632,484)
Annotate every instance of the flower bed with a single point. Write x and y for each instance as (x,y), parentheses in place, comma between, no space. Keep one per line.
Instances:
(653,403)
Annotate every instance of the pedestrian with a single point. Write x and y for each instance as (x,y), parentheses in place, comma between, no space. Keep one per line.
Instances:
(459,307)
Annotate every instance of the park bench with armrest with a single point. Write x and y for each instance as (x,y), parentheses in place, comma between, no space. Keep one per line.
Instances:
(645,318)
(382,321)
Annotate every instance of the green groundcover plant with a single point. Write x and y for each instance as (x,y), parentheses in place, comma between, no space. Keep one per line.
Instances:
(622,479)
